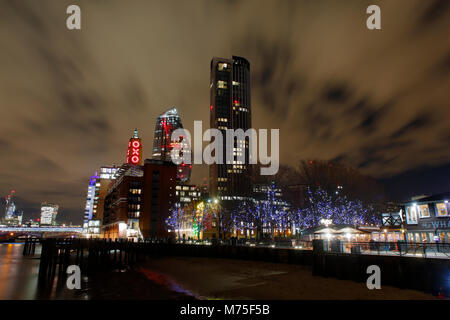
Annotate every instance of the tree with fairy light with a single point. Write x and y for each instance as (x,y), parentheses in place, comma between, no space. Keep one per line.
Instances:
(277,212)
(336,207)
(245,217)
(265,213)
(205,213)
(223,217)
(175,220)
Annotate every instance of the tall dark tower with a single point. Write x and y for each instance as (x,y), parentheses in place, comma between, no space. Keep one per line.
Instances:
(134,151)
(230,108)
(166,123)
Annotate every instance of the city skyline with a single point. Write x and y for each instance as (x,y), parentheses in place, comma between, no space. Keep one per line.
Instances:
(386,119)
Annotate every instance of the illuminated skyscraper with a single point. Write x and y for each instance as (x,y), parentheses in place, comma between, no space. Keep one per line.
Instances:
(166,123)
(90,198)
(10,208)
(48,214)
(230,108)
(13,217)
(97,189)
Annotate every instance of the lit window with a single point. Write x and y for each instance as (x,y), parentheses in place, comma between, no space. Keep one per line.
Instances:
(441,209)
(411,214)
(222,66)
(221,84)
(424,211)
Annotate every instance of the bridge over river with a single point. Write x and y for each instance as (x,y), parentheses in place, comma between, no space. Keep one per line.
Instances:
(12,233)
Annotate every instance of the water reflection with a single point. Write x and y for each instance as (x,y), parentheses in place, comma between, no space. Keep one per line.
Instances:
(19,277)
(19,280)
(165,281)
(18,274)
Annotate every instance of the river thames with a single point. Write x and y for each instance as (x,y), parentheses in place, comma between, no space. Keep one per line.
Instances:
(18,274)
(19,281)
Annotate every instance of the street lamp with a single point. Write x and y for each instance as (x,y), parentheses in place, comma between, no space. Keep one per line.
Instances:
(326,222)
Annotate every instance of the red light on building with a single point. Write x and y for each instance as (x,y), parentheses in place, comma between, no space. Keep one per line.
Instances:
(134,152)
(135,159)
(136,144)
(211,107)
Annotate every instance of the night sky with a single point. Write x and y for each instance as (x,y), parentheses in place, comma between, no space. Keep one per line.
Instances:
(375,100)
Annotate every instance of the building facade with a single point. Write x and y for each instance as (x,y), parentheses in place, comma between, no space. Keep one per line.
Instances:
(230,108)
(105,179)
(186,193)
(48,214)
(166,124)
(90,197)
(159,191)
(428,219)
(122,207)
(139,201)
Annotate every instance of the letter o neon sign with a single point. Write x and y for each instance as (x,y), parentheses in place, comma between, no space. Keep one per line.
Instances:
(136,144)
(135,159)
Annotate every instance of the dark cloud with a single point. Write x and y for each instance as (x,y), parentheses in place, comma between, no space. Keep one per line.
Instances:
(370,121)
(420,121)
(70,100)
(435,11)
(26,14)
(336,93)
(48,165)
(442,67)
(4,145)
(274,79)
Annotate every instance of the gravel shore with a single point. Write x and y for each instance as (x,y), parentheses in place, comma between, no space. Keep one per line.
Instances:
(208,278)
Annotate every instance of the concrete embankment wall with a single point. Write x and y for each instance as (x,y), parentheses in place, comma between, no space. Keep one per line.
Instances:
(295,256)
(428,275)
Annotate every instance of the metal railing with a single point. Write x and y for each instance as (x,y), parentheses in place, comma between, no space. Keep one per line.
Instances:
(400,248)
(269,243)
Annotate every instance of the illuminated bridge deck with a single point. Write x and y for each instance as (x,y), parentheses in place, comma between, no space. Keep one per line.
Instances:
(41,229)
